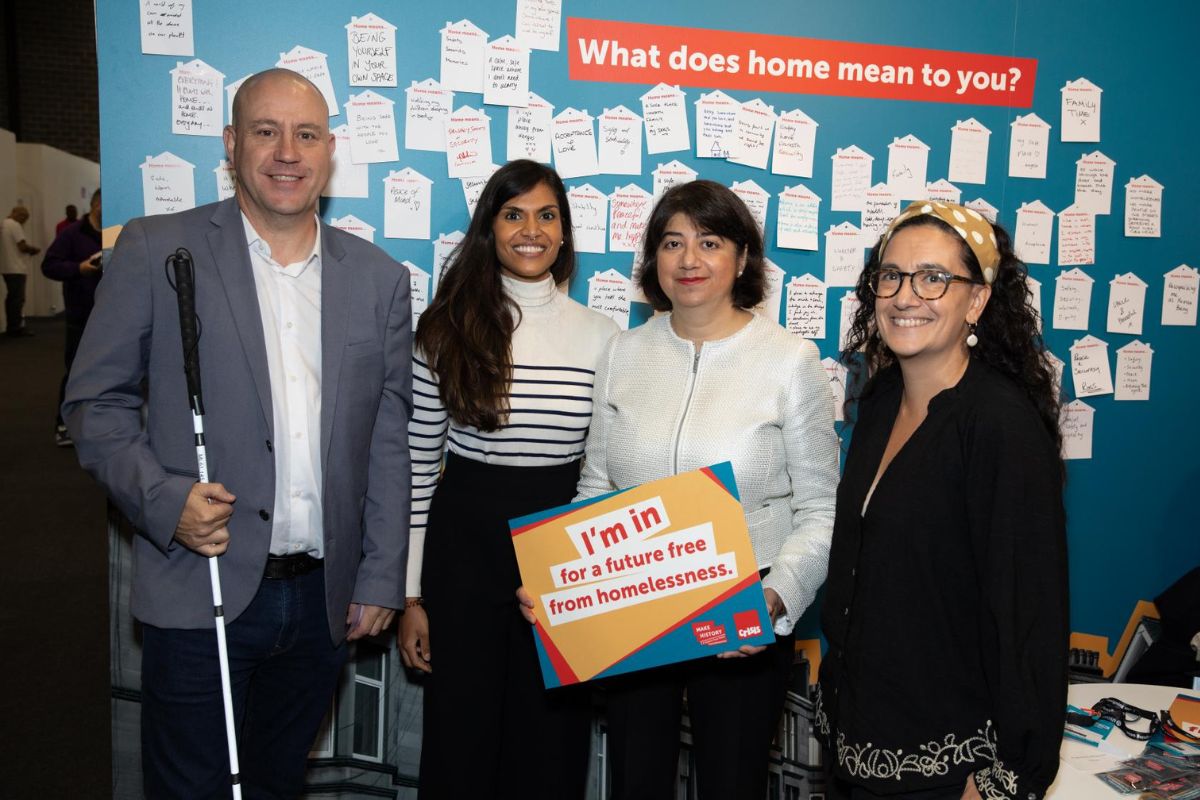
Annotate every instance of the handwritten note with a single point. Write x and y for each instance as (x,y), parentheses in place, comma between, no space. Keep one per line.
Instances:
(981,206)
(671,174)
(167,184)
(529,130)
(196,99)
(1126,304)
(608,293)
(716,123)
(1075,421)
(843,254)
(1035,225)
(836,372)
(620,142)
(1181,286)
(1076,236)
(1089,367)
(851,178)
(1080,111)
(406,204)
(908,165)
(1133,371)
(418,290)
(806,307)
(166,27)
(353,225)
(506,72)
(473,188)
(664,114)
(372,123)
(428,106)
(1028,147)
(773,294)
(969,152)
(231,92)
(574,144)
(538,23)
(346,179)
(943,190)
(1143,207)
(850,305)
(443,248)
(880,207)
(462,56)
(1094,182)
(314,66)
(371,51)
(226,179)
(756,198)
(795,144)
(629,211)
(1033,293)
(468,143)
(796,225)
(589,218)
(1072,300)
(752,131)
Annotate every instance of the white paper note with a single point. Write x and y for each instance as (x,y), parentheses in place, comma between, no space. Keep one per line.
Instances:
(354,225)
(620,151)
(1072,300)
(230,93)
(166,27)
(506,73)
(716,121)
(795,144)
(418,290)
(589,218)
(1028,147)
(664,113)
(1180,289)
(969,152)
(1035,225)
(981,206)
(756,199)
(1076,236)
(529,130)
(880,207)
(806,307)
(225,179)
(463,45)
(443,247)
(406,204)
(1143,207)
(851,178)
(843,254)
(752,131)
(1076,420)
(836,372)
(1090,368)
(1034,287)
(943,190)
(629,211)
(608,293)
(574,144)
(538,23)
(428,106)
(468,143)
(196,99)
(1126,304)
(1133,372)
(346,179)
(797,220)
(371,51)
(850,306)
(473,187)
(671,174)
(1081,111)
(773,293)
(314,66)
(1094,182)
(167,184)
(908,165)
(372,121)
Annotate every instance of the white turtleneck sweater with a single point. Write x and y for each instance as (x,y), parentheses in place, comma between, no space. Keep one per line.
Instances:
(555,349)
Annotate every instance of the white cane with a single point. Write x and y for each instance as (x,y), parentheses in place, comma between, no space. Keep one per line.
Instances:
(180,264)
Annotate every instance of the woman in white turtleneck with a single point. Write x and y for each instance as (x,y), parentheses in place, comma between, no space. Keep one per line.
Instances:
(502,379)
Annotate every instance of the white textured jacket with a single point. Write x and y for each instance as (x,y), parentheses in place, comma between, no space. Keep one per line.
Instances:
(760,399)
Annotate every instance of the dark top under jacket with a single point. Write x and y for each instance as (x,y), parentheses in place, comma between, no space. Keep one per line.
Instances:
(946,604)
(78,241)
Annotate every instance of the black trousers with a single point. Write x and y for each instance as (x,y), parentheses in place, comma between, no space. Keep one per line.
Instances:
(734,706)
(842,790)
(485,695)
(14,302)
(74,335)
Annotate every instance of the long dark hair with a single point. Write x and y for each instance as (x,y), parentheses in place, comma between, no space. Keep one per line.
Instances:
(1009,339)
(466,333)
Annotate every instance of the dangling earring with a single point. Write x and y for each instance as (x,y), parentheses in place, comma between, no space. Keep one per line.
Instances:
(972,339)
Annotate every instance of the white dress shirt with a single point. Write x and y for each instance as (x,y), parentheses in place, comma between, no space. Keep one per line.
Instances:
(289,301)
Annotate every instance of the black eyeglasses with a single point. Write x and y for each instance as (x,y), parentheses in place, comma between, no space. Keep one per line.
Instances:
(927,284)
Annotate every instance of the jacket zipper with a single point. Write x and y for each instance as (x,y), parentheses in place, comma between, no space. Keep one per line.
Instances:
(687,404)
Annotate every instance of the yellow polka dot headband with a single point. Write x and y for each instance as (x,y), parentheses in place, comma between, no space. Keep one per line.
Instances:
(975,230)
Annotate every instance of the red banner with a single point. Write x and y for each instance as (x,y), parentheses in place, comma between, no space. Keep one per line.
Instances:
(630,52)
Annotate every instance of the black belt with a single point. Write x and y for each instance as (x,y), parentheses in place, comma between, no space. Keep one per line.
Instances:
(293,566)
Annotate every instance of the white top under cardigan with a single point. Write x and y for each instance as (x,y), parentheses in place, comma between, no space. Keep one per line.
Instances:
(760,399)
(555,348)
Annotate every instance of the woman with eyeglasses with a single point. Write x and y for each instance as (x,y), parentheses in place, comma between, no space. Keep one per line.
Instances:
(946,604)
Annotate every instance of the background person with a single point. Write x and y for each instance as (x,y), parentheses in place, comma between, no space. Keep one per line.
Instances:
(72,214)
(709,381)
(503,374)
(14,266)
(946,605)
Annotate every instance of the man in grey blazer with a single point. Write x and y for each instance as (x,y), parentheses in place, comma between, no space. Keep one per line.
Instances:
(305,347)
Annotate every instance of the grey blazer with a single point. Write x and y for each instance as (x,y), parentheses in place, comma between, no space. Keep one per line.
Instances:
(131,360)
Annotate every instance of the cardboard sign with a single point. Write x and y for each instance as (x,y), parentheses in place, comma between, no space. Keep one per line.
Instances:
(651,575)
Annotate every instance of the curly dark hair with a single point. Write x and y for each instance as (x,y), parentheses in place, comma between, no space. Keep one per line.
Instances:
(1009,339)
(466,333)
(712,208)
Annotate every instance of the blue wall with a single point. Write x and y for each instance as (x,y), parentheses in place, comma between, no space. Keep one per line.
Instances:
(1132,530)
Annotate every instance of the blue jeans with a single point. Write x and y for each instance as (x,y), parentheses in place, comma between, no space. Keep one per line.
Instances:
(283,670)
